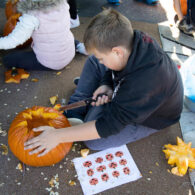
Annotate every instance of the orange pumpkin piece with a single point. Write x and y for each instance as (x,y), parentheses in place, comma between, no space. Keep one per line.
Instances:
(15,75)
(21,130)
(181,155)
(10,8)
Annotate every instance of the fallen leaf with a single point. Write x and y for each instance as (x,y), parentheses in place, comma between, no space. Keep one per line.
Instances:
(58,73)
(84,152)
(53,99)
(157,164)
(3,149)
(72,183)
(34,80)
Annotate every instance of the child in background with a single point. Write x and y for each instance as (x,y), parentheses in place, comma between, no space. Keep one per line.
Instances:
(74,18)
(184,18)
(48,23)
(142,86)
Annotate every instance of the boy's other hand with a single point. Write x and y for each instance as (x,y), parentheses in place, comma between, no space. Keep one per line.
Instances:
(104,89)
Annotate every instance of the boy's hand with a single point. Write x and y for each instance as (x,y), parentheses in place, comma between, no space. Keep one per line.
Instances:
(43,143)
(104,89)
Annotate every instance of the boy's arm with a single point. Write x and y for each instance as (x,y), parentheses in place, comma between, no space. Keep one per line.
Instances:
(107,79)
(21,33)
(51,137)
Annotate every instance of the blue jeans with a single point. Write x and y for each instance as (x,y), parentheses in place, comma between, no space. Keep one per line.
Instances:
(89,81)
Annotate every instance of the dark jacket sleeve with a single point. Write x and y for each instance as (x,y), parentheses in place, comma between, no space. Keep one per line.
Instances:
(135,101)
(107,79)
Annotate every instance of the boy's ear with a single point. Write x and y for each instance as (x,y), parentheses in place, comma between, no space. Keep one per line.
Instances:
(118,51)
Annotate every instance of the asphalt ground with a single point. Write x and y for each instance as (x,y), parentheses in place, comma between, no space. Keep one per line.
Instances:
(147,153)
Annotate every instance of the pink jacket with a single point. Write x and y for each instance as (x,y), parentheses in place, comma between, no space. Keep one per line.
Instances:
(53,42)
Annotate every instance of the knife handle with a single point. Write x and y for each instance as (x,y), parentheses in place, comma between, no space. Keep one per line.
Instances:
(90,100)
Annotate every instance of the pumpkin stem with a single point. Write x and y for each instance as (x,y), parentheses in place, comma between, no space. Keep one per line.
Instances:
(14,71)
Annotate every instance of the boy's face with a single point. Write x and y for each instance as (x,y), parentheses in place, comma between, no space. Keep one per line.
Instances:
(116,59)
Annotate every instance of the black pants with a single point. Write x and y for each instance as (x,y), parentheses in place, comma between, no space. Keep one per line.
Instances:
(73,8)
(23,59)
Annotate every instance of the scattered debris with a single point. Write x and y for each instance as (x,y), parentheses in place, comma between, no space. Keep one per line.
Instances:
(150,172)
(53,99)
(34,80)
(15,75)
(149,179)
(72,183)
(157,164)
(3,149)
(84,152)
(58,73)
(2,184)
(2,132)
(54,183)
(19,167)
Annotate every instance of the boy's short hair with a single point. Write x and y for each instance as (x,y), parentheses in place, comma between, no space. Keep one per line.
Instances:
(108,29)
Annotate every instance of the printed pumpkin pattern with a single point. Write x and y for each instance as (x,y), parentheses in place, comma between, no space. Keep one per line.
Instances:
(113,165)
(90,172)
(123,162)
(115,174)
(87,163)
(109,157)
(126,171)
(101,168)
(105,177)
(93,181)
(99,160)
(119,154)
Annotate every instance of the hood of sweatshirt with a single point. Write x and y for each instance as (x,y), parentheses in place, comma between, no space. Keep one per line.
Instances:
(24,6)
(145,52)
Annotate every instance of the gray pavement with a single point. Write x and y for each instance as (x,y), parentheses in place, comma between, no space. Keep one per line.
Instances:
(147,152)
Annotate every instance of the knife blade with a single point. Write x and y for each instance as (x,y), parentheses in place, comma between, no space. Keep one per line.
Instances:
(81,103)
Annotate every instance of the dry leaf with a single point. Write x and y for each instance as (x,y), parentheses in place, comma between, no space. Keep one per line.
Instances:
(72,183)
(84,152)
(53,99)
(19,167)
(3,149)
(34,80)
(58,73)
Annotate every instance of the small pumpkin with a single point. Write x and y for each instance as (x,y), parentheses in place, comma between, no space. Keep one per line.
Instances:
(10,8)
(10,25)
(21,130)
(15,75)
(181,155)
(183,4)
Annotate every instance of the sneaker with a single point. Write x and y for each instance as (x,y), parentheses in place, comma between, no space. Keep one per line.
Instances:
(74,22)
(186,28)
(80,48)
(75,121)
(76,80)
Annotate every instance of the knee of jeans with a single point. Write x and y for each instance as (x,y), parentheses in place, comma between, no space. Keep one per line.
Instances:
(7,62)
(93,146)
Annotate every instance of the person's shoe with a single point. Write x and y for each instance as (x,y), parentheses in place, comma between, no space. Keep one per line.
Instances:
(74,22)
(75,121)
(114,2)
(186,28)
(80,48)
(76,80)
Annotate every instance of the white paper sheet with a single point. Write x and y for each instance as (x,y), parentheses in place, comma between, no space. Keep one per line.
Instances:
(106,169)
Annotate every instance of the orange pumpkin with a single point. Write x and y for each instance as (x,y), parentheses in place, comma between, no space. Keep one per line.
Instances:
(10,25)
(15,75)
(183,4)
(21,130)
(10,8)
